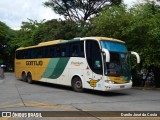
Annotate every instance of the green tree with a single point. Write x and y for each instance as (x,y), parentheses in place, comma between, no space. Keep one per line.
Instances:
(111,22)
(79,10)
(6,49)
(3,41)
(25,34)
(55,29)
(145,31)
(4,29)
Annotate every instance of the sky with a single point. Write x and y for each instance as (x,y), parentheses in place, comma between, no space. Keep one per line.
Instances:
(14,12)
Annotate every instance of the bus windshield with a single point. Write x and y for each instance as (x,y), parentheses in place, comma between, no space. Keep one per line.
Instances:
(119,64)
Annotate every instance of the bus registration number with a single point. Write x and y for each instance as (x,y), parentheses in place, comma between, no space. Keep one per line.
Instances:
(122,86)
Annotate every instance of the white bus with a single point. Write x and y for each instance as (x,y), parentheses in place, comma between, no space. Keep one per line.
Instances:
(96,63)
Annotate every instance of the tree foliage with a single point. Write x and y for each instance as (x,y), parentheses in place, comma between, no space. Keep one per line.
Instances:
(25,34)
(55,29)
(79,10)
(4,29)
(112,22)
(6,51)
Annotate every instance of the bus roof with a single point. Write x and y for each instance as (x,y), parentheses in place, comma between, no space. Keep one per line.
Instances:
(72,40)
(104,38)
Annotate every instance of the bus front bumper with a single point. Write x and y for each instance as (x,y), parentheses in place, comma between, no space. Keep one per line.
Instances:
(110,87)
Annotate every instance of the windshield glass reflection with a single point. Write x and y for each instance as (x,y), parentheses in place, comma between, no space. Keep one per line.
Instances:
(119,64)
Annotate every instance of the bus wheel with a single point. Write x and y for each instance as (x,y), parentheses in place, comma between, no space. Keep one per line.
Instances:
(29,78)
(24,77)
(77,84)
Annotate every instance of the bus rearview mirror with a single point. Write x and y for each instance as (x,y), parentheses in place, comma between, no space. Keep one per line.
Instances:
(106,55)
(137,56)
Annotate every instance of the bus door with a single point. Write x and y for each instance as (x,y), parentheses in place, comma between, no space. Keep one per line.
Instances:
(94,70)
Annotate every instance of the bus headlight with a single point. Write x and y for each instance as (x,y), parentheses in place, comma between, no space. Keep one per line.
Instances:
(109,82)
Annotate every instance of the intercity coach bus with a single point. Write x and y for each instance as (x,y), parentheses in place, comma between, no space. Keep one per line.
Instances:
(97,63)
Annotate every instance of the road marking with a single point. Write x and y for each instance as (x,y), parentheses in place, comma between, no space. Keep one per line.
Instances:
(34,104)
(4,103)
(44,105)
(9,118)
(12,105)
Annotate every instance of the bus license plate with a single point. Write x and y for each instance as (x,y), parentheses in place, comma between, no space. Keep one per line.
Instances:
(122,86)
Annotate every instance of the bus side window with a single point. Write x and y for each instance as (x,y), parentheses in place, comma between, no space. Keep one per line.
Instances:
(51,51)
(46,52)
(57,51)
(63,50)
(81,49)
(67,46)
(31,54)
(25,54)
(39,53)
(77,49)
(22,55)
(74,52)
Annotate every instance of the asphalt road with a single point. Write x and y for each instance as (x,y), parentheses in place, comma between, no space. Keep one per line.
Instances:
(16,95)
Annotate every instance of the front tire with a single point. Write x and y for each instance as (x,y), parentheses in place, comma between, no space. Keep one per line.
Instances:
(77,84)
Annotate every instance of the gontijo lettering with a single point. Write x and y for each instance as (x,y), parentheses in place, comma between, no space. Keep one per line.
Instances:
(34,63)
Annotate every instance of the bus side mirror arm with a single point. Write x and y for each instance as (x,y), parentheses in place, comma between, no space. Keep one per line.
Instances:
(106,54)
(137,56)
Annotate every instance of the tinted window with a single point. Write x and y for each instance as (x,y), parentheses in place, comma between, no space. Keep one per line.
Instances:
(114,46)
(75,49)
(93,55)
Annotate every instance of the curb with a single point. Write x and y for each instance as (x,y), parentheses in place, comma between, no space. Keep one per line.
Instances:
(145,88)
